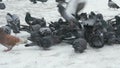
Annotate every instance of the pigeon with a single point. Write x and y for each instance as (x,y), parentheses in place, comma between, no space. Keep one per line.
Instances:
(103,22)
(33,21)
(44,42)
(14,22)
(2,6)
(43,38)
(28,18)
(79,45)
(72,8)
(9,41)
(111,4)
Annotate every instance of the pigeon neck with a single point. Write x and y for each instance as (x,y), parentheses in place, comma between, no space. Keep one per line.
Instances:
(9,15)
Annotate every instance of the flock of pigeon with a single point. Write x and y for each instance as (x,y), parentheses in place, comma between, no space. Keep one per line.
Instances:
(77,29)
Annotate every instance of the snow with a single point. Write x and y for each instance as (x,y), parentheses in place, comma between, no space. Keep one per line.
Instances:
(61,55)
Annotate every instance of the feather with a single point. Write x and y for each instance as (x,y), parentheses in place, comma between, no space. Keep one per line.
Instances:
(72,8)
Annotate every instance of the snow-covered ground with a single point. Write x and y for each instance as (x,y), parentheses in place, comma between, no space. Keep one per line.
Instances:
(62,55)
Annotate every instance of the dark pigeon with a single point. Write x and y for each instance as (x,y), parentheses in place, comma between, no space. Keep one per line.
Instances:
(111,4)
(110,38)
(43,39)
(103,22)
(2,6)
(117,26)
(32,20)
(97,36)
(49,40)
(44,42)
(79,45)
(28,18)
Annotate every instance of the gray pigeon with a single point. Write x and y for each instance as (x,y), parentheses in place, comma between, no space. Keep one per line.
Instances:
(111,4)
(14,22)
(72,8)
(80,45)
(2,6)
(7,29)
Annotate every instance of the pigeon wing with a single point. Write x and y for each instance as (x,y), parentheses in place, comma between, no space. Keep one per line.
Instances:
(80,6)
(74,6)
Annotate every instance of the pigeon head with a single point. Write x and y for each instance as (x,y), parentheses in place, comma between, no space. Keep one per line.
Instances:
(117,17)
(43,22)
(60,21)
(92,13)
(83,16)
(9,14)
(28,14)
(60,6)
(99,16)
(28,18)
